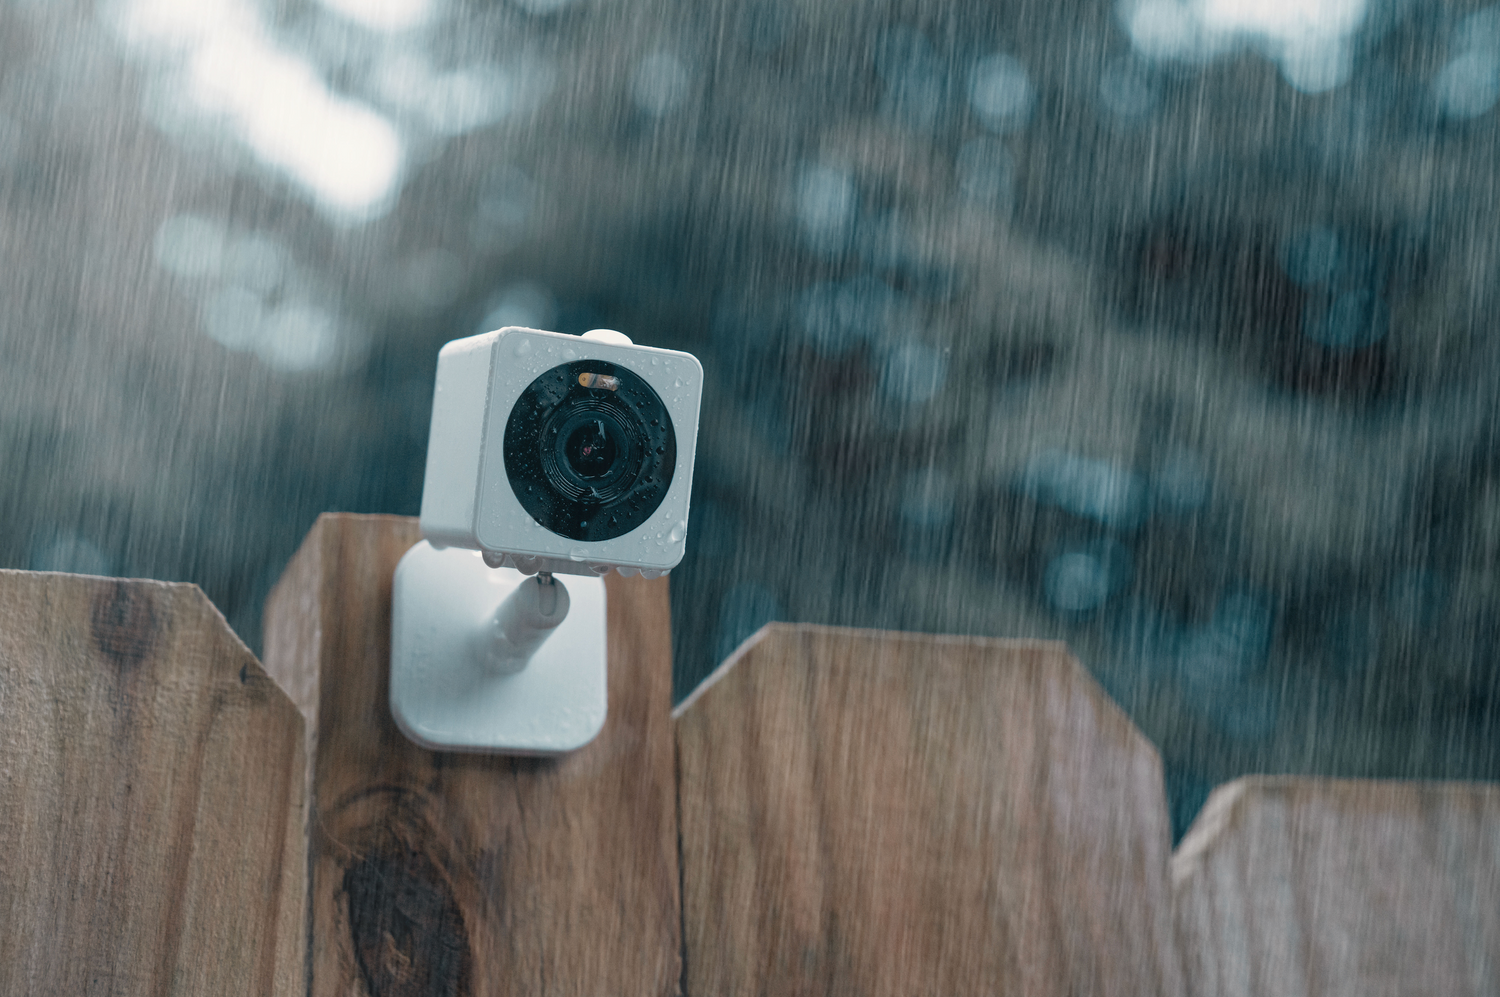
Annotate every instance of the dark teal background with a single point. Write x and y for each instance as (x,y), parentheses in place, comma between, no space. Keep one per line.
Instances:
(1163,330)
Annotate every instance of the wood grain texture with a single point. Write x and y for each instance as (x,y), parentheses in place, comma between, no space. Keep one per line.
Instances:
(878,813)
(1331,887)
(151,793)
(449,874)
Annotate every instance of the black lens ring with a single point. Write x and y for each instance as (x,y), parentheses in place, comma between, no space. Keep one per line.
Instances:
(623,430)
(556,493)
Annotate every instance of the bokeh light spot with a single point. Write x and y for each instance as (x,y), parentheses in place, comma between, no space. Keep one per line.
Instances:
(1092,489)
(826,201)
(1469,85)
(914,372)
(299,338)
(1079,581)
(1001,92)
(190,245)
(659,84)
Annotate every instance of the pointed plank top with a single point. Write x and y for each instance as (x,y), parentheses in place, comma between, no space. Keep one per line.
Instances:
(151,796)
(880,813)
(1342,886)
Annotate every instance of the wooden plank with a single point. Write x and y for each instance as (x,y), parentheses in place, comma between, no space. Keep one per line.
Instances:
(442,874)
(1293,886)
(151,791)
(878,813)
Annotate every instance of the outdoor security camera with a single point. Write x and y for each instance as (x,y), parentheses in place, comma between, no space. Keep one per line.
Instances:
(565,454)
(548,454)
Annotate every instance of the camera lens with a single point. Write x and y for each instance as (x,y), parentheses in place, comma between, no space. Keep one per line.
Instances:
(590,450)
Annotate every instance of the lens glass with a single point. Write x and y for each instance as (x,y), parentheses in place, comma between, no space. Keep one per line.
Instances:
(590,450)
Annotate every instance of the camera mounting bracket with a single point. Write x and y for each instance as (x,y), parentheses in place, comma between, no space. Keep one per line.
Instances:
(450,688)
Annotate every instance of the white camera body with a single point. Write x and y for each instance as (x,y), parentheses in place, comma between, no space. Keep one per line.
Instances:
(549,454)
(563,454)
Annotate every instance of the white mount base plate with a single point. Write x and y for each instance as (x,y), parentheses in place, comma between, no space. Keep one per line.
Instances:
(443,695)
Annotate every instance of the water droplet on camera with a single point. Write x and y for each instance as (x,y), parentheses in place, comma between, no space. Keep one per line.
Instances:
(655,362)
(677,383)
(523,347)
(578,553)
(678,532)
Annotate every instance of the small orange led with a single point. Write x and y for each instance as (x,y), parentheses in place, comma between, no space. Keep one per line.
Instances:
(604,381)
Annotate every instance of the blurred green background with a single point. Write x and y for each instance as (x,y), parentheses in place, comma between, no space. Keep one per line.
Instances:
(1165,328)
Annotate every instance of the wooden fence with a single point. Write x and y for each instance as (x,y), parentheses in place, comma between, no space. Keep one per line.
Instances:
(833,812)
(151,796)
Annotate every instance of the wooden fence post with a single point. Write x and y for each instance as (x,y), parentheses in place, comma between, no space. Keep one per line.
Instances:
(1293,886)
(895,814)
(448,874)
(151,797)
